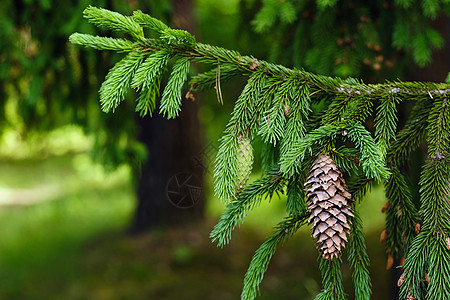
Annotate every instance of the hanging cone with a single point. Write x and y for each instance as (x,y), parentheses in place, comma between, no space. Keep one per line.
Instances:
(329,206)
(245,163)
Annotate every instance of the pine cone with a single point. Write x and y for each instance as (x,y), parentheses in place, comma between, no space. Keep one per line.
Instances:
(329,205)
(245,163)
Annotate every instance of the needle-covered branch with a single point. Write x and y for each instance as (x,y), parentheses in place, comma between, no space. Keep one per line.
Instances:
(180,43)
(298,116)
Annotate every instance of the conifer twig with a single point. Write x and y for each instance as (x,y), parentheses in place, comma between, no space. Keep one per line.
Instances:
(298,115)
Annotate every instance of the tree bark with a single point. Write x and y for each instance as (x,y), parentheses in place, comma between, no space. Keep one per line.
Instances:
(169,188)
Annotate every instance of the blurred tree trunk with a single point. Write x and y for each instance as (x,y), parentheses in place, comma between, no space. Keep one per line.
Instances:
(169,188)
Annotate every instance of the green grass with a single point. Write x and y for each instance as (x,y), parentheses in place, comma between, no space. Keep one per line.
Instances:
(40,243)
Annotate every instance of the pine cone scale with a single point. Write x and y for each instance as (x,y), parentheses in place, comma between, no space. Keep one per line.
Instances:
(331,190)
(329,206)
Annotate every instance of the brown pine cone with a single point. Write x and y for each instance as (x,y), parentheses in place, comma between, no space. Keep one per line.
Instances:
(329,205)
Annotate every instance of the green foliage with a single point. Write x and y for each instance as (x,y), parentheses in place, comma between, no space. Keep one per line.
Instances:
(171,98)
(116,83)
(149,22)
(272,121)
(386,122)
(290,163)
(295,205)
(107,19)
(347,159)
(402,216)
(429,252)
(359,260)
(223,72)
(271,182)
(299,115)
(260,261)
(421,45)
(372,161)
(147,81)
(331,280)
(271,11)
(411,135)
(144,70)
(323,4)
(370,39)
(226,166)
(248,105)
(47,82)
(296,109)
(101,43)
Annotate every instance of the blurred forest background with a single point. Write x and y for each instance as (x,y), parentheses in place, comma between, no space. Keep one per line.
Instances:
(84,212)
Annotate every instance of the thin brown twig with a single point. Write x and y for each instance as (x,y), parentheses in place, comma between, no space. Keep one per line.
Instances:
(217,87)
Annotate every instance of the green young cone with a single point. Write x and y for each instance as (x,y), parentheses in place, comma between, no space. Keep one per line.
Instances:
(245,163)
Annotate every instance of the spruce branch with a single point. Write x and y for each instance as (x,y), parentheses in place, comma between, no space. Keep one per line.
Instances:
(242,123)
(272,10)
(290,163)
(207,80)
(439,268)
(299,98)
(412,134)
(181,43)
(295,203)
(359,186)
(297,109)
(429,252)
(146,100)
(117,82)
(359,109)
(147,81)
(357,255)
(372,160)
(401,215)
(150,69)
(434,181)
(386,122)
(107,19)
(147,21)
(225,168)
(434,190)
(347,159)
(269,156)
(171,98)
(272,121)
(438,135)
(333,288)
(338,106)
(359,260)
(249,105)
(101,43)
(260,261)
(415,268)
(271,182)
(298,115)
